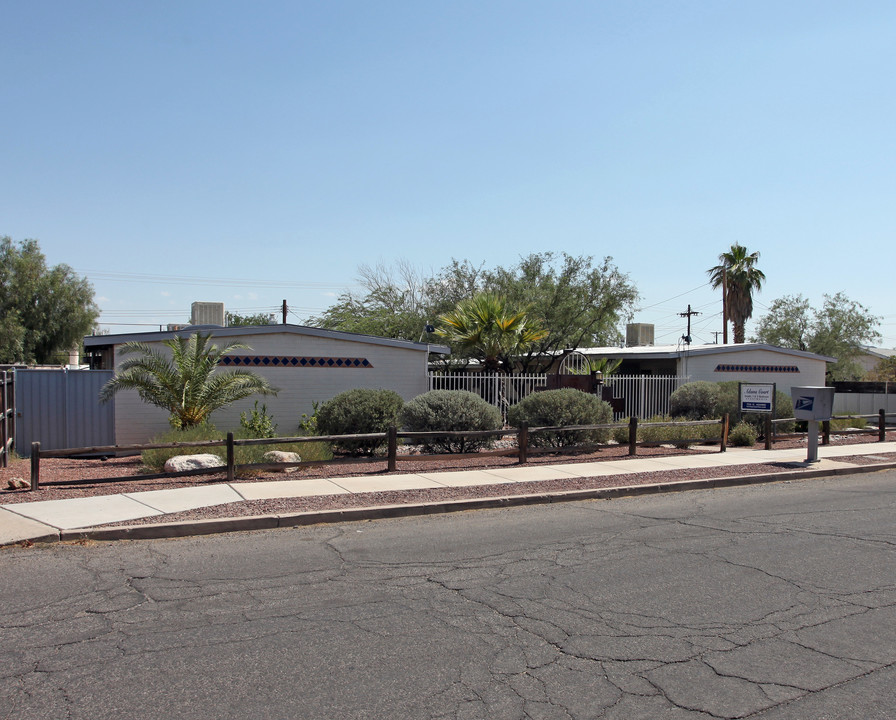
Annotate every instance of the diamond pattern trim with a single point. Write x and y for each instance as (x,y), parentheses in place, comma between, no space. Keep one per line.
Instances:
(289,361)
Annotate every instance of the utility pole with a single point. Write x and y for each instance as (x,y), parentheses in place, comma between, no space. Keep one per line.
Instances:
(716,338)
(284,312)
(687,338)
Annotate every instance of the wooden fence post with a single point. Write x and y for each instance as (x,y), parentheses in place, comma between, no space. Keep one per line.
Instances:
(35,465)
(522,441)
(230,456)
(726,422)
(633,435)
(881,425)
(825,432)
(392,436)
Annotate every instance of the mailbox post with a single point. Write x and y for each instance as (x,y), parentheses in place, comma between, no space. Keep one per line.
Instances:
(813,404)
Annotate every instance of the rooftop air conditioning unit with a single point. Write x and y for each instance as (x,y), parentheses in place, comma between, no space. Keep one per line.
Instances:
(638,334)
(207,313)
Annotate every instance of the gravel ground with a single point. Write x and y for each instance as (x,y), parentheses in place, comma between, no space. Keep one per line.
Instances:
(57,476)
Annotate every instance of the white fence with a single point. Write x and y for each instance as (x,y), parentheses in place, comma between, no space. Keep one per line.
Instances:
(502,391)
(864,403)
(645,395)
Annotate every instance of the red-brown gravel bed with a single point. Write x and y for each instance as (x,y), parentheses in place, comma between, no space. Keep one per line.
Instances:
(287,506)
(63,470)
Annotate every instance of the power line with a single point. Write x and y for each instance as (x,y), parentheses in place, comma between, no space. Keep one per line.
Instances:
(216,281)
(648,307)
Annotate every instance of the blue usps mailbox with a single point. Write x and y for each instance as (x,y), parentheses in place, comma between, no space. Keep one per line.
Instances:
(812,404)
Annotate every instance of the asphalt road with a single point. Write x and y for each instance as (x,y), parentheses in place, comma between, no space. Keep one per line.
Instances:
(769,602)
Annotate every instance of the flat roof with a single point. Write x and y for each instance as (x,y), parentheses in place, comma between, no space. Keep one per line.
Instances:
(676,351)
(243,330)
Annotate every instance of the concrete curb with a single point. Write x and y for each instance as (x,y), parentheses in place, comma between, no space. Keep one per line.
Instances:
(190,528)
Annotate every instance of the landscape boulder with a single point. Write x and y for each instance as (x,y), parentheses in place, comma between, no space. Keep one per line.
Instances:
(181,463)
(278,456)
(18,483)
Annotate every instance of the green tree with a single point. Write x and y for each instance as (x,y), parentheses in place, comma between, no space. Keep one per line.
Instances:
(738,274)
(236,320)
(577,302)
(885,370)
(44,311)
(838,329)
(486,327)
(393,303)
(185,384)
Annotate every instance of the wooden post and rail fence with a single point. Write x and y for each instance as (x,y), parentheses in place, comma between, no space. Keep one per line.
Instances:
(523,434)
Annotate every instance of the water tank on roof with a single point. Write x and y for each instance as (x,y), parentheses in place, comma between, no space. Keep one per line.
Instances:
(638,334)
(207,313)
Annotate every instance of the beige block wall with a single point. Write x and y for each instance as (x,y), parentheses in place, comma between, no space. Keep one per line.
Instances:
(400,369)
(703,367)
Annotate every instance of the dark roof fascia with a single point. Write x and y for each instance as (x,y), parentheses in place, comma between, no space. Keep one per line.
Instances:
(652,354)
(244,330)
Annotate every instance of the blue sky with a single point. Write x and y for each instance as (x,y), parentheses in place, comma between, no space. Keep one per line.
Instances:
(250,152)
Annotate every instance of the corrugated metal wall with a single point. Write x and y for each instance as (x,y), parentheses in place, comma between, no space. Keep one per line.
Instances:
(61,409)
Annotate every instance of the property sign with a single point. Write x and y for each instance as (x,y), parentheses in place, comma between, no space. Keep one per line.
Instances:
(757,398)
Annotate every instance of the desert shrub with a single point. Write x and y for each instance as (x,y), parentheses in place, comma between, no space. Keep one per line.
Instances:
(651,433)
(620,434)
(450,410)
(154,460)
(258,423)
(742,435)
(695,400)
(562,407)
(356,412)
(729,402)
(845,423)
(308,423)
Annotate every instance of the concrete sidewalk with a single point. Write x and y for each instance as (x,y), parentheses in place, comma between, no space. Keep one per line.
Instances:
(49,520)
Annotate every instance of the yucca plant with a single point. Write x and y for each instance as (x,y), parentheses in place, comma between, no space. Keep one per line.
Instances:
(185,384)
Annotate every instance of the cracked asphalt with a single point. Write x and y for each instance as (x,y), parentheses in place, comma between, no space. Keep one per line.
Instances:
(769,602)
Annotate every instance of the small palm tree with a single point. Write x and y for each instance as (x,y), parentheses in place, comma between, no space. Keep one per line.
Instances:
(186,384)
(738,274)
(486,327)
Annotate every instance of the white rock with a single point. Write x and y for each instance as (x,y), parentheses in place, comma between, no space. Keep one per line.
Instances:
(278,456)
(180,463)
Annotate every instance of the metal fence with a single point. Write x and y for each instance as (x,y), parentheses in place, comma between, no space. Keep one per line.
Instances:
(502,391)
(7,416)
(60,409)
(645,395)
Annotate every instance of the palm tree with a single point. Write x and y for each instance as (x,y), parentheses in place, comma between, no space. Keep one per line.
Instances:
(185,384)
(487,328)
(738,276)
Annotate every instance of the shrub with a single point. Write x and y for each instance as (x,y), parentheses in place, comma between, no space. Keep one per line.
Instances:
(450,410)
(695,400)
(356,412)
(258,423)
(308,423)
(154,460)
(562,407)
(846,423)
(729,402)
(620,434)
(742,435)
(681,436)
